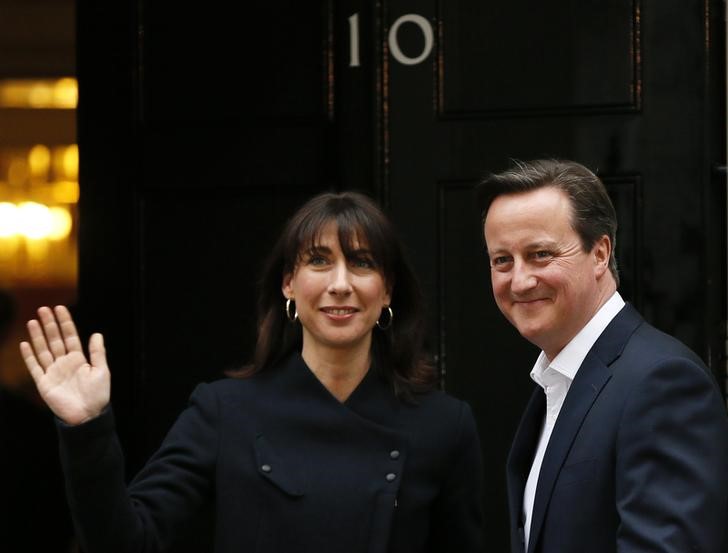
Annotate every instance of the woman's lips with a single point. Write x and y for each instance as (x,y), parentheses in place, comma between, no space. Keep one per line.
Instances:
(339,312)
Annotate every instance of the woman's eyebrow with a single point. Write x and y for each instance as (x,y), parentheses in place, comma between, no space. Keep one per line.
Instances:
(318,249)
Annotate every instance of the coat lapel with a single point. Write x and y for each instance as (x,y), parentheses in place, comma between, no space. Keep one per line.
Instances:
(586,387)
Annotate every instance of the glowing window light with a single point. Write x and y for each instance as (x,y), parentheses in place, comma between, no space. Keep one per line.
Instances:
(65,93)
(17,171)
(65,162)
(39,160)
(61,223)
(70,162)
(8,219)
(39,93)
(34,220)
(65,192)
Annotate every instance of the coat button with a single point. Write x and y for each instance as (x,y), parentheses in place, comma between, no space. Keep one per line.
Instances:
(394,454)
(266,468)
(390,477)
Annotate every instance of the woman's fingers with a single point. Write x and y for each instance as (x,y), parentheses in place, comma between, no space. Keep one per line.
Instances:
(68,329)
(36,371)
(52,332)
(40,345)
(97,351)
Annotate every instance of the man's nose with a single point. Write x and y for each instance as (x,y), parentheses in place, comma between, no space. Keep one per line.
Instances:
(340,279)
(523,279)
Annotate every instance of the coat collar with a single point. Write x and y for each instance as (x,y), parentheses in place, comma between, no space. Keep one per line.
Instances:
(373,400)
(586,387)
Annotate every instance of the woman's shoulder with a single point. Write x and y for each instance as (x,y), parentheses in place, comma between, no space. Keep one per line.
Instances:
(442,407)
(230,388)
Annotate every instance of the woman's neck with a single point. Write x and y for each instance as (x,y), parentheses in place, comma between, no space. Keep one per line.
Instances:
(339,370)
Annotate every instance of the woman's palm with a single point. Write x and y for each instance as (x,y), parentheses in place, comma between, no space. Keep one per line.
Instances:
(75,390)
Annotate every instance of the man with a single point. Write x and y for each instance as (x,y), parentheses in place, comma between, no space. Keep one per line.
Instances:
(624,443)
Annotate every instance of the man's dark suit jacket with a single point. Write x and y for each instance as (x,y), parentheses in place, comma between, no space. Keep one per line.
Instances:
(289,469)
(638,458)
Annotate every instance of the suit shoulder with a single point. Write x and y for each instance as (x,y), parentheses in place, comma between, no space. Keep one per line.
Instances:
(651,352)
(650,342)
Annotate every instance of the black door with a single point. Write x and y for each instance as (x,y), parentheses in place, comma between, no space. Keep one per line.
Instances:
(201,128)
(632,89)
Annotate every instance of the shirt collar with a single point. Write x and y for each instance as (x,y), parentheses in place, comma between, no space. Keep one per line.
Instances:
(569,359)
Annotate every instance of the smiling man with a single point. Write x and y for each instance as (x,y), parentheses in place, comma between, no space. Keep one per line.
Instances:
(624,443)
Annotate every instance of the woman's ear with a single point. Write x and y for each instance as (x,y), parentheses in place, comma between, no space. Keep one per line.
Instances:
(287,286)
(388,295)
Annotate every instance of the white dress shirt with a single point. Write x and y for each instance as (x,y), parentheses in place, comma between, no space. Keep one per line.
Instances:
(555,378)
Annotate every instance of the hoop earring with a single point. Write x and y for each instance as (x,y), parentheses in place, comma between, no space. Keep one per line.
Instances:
(293,317)
(385,325)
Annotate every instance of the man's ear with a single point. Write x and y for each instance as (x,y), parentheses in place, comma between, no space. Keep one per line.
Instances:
(602,253)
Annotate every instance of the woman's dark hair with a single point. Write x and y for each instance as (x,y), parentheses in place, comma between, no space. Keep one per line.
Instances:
(397,352)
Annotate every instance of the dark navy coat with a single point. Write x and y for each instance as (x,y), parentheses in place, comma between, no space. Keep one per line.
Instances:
(638,459)
(288,468)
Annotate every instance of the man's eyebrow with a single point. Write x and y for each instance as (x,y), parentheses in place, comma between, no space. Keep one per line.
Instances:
(542,244)
(496,251)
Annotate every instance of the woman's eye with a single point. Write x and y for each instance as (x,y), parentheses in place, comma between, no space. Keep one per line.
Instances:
(363,263)
(317,260)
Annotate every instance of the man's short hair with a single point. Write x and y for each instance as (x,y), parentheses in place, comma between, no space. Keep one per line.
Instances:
(593,214)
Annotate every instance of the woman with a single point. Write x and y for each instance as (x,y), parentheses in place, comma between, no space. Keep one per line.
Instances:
(333,440)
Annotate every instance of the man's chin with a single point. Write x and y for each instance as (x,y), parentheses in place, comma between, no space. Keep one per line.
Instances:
(530,332)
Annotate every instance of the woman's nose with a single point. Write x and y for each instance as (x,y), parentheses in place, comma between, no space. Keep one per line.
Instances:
(340,279)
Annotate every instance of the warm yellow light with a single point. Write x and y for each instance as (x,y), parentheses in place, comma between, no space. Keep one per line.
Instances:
(39,93)
(39,159)
(8,219)
(61,223)
(9,247)
(65,162)
(17,171)
(36,250)
(34,220)
(65,192)
(70,162)
(65,93)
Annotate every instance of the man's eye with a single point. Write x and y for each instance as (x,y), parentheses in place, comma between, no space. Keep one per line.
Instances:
(542,254)
(500,262)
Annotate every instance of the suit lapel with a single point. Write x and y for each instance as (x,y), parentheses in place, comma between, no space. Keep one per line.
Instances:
(586,387)
(521,457)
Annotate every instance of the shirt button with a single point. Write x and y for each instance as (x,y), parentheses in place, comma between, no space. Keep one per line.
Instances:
(266,468)
(390,477)
(394,454)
